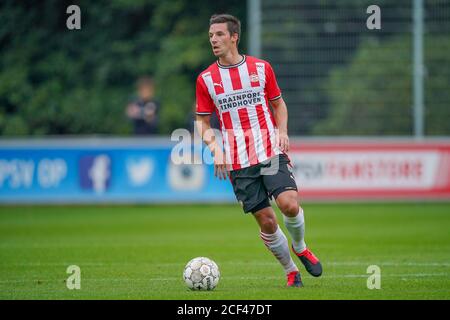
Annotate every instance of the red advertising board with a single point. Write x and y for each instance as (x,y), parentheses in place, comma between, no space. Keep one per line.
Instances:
(372,170)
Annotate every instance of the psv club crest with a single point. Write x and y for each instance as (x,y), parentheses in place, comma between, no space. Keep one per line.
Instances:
(254,77)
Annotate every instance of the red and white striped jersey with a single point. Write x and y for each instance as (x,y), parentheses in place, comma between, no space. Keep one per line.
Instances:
(240,96)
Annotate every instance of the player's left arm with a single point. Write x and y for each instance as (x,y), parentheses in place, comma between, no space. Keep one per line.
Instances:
(280,113)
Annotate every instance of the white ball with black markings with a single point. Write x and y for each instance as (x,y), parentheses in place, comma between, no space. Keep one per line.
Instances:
(201,274)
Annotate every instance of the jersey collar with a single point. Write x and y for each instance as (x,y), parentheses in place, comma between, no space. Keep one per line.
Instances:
(233,65)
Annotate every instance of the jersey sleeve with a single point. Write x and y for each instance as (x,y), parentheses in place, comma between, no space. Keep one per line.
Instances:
(272,89)
(204,103)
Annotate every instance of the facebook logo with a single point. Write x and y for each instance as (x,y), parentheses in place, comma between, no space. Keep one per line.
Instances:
(95,173)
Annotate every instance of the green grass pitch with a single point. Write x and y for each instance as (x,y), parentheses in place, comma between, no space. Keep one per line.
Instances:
(139,252)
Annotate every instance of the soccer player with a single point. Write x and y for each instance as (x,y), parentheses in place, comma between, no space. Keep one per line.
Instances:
(239,89)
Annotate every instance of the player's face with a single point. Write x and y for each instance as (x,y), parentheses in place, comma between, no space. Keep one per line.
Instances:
(221,40)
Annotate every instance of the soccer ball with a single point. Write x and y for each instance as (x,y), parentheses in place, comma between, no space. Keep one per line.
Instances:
(201,274)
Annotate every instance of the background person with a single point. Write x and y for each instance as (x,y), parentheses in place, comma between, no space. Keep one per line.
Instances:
(144,110)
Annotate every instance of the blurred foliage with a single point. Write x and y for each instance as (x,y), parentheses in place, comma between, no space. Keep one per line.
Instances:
(361,103)
(339,77)
(59,81)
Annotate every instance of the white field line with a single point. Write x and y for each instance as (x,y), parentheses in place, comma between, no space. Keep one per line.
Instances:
(240,263)
(394,275)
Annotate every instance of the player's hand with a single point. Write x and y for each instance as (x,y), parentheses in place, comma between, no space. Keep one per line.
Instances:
(220,167)
(283,141)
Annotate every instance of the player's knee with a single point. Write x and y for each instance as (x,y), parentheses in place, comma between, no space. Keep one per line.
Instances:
(268,224)
(289,207)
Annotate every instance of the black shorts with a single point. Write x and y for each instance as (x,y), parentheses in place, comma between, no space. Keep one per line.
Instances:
(255,185)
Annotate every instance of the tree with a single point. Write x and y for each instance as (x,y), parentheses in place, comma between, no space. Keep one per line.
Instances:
(57,81)
(373,94)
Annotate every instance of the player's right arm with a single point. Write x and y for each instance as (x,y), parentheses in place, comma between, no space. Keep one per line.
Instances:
(207,133)
(204,108)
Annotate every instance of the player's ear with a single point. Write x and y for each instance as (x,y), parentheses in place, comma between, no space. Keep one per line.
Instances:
(235,37)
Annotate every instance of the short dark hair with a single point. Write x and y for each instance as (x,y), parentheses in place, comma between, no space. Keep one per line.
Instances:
(233,23)
(145,81)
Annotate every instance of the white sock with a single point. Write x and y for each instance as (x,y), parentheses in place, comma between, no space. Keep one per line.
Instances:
(296,228)
(277,243)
